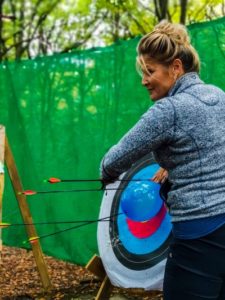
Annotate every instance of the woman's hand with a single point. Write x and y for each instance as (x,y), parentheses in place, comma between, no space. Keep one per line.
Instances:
(160,176)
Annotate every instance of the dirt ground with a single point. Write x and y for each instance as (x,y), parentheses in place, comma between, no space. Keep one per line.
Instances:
(19,280)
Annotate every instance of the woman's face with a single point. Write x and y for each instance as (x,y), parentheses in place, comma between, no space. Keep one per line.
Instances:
(157,78)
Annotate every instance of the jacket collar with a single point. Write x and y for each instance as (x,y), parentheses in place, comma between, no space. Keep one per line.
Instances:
(185,81)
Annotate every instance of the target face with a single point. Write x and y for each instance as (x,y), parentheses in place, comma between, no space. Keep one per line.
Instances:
(134,253)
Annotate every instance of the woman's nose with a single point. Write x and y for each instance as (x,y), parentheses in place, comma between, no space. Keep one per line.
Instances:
(144,80)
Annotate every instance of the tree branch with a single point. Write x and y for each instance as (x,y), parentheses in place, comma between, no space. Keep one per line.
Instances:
(7,17)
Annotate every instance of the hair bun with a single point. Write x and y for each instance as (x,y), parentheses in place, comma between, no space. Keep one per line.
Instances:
(176,32)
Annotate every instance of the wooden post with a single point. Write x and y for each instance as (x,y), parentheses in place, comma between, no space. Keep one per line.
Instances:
(96,267)
(26,215)
(104,290)
(2,152)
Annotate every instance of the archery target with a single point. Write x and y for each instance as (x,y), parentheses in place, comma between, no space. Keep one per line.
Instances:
(133,253)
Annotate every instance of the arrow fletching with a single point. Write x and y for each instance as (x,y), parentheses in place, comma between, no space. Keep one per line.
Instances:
(4,225)
(54,180)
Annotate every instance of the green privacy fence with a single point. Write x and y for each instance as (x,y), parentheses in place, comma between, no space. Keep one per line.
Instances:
(61,114)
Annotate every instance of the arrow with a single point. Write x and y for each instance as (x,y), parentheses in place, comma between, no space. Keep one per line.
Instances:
(5,225)
(57,180)
(34,239)
(31,192)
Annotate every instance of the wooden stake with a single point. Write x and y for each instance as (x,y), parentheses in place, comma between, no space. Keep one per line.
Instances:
(26,215)
(105,289)
(95,266)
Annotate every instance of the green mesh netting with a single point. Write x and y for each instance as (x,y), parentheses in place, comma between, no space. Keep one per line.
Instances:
(62,113)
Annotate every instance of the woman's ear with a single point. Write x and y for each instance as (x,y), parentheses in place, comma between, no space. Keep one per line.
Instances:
(177,68)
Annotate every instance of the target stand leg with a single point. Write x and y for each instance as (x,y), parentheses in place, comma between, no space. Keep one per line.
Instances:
(96,267)
(2,154)
(23,206)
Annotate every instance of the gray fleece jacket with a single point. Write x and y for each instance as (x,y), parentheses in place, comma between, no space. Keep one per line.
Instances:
(186,133)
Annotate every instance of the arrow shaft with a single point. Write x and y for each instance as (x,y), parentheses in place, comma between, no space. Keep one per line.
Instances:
(98,180)
(70,191)
(51,223)
(78,226)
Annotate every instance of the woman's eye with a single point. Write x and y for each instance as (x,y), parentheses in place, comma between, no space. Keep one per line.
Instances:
(150,71)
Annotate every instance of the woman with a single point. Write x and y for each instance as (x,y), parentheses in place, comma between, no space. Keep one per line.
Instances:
(185,130)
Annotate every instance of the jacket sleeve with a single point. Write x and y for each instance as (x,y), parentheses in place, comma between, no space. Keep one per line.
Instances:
(153,129)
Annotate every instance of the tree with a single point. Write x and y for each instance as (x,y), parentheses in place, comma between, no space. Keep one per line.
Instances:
(39,27)
(161,8)
(24,28)
(183,6)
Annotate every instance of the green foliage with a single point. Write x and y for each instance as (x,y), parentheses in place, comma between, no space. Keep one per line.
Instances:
(41,27)
(83,6)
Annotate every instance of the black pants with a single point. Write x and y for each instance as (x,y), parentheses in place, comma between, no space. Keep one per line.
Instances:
(195,269)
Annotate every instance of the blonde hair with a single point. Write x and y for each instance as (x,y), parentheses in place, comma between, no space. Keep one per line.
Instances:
(167,42)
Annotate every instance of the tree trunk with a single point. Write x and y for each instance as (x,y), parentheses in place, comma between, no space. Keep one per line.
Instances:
(183,7)
(2,43)
(161,7)
(116,27)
